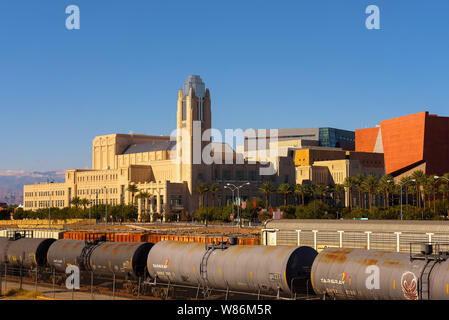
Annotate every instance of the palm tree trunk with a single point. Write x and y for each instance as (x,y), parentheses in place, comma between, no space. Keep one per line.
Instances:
(388,199)
(350,199)
(434,203)
(406,199)
(418,196)
(370,200)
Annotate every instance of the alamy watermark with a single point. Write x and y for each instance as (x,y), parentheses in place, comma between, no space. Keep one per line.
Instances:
(73,277)
(73,21)
(373,20)
(208,147)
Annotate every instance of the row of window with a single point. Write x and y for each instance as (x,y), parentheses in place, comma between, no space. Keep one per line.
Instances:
(98,178)
(97,191)
(61,203)
(44,204)
(45,193)
(112,202)
(229,175)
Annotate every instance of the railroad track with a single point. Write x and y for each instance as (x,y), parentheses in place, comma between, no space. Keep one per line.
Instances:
(95,290)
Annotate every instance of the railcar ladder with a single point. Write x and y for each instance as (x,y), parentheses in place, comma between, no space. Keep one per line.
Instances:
(203,265)
(424,279)
(209,249)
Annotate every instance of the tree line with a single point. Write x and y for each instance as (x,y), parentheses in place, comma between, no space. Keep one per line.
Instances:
(422,196)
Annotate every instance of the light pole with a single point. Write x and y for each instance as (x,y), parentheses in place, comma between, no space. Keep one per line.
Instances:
(90,206)
(233,218)
(49,205)
(96,205)
(401,184)
(238,197)
(438,177)
(106,210)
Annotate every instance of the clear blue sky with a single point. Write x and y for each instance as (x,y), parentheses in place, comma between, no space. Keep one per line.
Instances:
(268,64)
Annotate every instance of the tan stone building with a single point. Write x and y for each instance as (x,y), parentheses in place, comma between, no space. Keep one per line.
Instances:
(168,168)
(330,167)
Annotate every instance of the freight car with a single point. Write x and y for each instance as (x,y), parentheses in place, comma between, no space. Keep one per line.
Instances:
(381,275)
(336,273)
(121,259)
(278,270)
(25,252)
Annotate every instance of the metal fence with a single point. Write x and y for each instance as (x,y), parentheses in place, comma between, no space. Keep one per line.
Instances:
(52,284)
(390,241)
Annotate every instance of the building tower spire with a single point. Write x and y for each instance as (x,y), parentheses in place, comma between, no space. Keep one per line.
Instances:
(193,119)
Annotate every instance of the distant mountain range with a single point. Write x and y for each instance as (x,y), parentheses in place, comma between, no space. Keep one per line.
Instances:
(12,181)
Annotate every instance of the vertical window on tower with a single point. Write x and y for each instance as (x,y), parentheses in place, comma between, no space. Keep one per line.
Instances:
(183,110)
(200,109)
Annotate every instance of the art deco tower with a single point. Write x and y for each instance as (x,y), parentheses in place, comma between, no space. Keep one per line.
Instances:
(193,118)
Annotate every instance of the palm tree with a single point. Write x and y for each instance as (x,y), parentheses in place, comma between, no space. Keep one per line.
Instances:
(302,190)
(76,201)
(338,190)
(84,203)
(358,182)
(370,184)
(349,184)
(386,185)
(405,181)
(144,196)
(133,189)
(320,190)
(213,189)
(267,188)
(444,189)
(428,189)
(285,189)
(431,186)
(412,192)
(420,178)
(201,189)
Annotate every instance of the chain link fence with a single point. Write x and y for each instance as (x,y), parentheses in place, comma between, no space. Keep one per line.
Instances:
(58,285)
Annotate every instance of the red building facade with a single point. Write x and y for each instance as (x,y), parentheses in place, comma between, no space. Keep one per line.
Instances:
(414,142)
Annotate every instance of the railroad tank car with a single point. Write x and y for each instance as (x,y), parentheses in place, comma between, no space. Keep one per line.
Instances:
(349,274)
(65,252)
(176,262)
(119,258)
(28,252)
(3,247)
(439,281)
(264,269)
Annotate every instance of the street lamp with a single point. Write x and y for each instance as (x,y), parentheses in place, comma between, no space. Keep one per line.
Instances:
(96,205)
(234,187)
(232,190)
(49,204)
(90,206)
(437,177)
(401,184)
(106,211)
